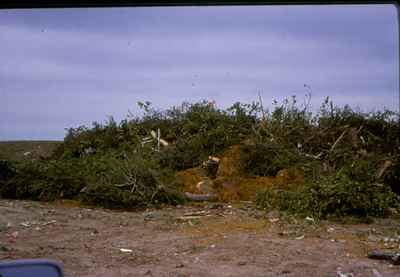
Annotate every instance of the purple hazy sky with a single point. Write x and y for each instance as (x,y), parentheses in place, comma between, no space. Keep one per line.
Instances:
(62,68)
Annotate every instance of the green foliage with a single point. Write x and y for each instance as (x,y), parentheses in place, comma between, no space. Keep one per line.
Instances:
(278,139)
(186,153)
(41,180)
(136,180)
(200,130)
(392,177)
(7,170)
(121,180)
(339,151)
(266,159)
(336,195)
(291,136)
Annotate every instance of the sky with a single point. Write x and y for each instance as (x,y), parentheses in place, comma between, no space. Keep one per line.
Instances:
(62,68)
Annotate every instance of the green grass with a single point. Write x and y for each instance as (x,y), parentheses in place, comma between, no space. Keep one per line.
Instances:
(26,150)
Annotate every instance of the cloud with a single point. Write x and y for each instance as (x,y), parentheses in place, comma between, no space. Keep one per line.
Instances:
(64,68)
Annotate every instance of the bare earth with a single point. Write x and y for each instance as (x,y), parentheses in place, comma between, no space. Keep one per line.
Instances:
(200,240)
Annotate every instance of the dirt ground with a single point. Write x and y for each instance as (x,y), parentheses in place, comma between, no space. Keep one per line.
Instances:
(197,240)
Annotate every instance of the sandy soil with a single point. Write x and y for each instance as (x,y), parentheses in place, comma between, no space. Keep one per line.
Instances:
(201,240)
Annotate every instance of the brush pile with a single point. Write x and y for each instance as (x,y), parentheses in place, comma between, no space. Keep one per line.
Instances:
(335,162)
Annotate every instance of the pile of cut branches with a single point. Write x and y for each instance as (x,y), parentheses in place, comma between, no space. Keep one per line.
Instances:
(108,164)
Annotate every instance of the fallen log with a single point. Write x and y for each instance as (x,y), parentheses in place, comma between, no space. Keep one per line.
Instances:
(393,257)
(200,197)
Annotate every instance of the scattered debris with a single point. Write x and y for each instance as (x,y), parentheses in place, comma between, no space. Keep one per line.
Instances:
(25,224)
(94,232)
(342,274)
(50,222)
(15,234)
(184,218)
(310,219)
(148,273)
(373,238)
(376,273)
(28,224)
(125,250)
(198,213)
(286,233)
(149,216)
(299,237)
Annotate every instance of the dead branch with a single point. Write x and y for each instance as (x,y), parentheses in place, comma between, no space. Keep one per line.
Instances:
(316,157)
(122,185)
(338,140)
(383,168)
(261,106)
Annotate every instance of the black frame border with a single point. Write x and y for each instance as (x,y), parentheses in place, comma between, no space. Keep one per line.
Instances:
(28,4)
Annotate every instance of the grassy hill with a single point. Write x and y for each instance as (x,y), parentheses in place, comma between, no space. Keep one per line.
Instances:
(26,149)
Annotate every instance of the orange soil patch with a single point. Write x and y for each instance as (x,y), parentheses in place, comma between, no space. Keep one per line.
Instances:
(220,226)
(190,178)
(241,188)
(230,162)
(231,184)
